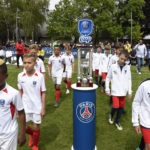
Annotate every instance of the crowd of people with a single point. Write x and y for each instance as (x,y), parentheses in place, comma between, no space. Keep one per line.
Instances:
(110,66)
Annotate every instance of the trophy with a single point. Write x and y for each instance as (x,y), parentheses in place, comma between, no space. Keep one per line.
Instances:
(85,56)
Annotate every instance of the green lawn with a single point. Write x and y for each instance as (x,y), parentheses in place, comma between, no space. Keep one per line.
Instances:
(57,126)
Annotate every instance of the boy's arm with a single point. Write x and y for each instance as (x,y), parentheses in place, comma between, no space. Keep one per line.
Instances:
(73,68)
(49,70)
(22,137)
(130,85)
(43,97)
(108,78)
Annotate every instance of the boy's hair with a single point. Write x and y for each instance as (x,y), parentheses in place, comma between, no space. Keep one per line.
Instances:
(118,45)
(99,46)
(57,46)
(29,55)
(107,47)
(33,46)
(3,67)
(124,52)
(67,46)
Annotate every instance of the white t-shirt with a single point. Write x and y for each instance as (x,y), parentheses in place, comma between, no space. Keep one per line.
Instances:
(2,52)
(69,59)
(57,65)
(8,54)
(31,87)
(96,60)
(10,103)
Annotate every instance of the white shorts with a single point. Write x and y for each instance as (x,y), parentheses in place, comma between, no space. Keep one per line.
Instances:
(35,118)
(9,144)
(57,80)
(67,74)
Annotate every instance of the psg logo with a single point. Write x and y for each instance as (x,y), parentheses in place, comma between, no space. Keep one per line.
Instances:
(85,112)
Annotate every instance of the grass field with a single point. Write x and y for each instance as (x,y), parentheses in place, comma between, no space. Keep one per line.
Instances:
(57,126)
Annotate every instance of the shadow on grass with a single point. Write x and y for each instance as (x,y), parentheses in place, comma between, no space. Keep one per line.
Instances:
(48,135)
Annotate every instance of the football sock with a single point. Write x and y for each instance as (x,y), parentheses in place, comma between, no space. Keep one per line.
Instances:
(65,81)
(57,95)
(119,113)
(110,100)
(103,85)
(142,144)
(100,80)
(112,112)
(96,80)
(68,84)
(36,135)
(29,130)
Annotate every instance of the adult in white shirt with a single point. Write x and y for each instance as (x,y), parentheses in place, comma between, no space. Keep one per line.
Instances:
(141,111)
(8,55)
(10,103)
(141,52)
(56,67)
(2,53)
(69,62)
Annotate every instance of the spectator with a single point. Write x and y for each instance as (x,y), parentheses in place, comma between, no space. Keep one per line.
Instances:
(41,53)
(148,55)
(8,55)
(132,57)
(2,54)
(20,51)
(127,46)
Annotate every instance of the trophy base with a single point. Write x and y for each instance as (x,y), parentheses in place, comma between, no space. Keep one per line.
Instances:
(81,84)
(73,148)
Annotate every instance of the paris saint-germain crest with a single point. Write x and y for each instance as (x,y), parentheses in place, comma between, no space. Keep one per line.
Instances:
(85,112)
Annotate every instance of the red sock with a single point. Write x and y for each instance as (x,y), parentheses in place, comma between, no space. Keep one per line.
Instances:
(36,135)
(68,84)
(65,81)
(57,95)
(29,130)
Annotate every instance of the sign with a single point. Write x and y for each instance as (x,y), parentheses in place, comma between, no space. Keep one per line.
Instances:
(85,39)
(85,27)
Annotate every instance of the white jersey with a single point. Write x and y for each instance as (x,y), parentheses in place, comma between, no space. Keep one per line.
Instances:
(39,66)
(104,61)
(31,87)
(96,60)
(114,59)
(120,80)
(8,54)
(141,50)
(141,105)
(57,65)
(10,103)
(69,59)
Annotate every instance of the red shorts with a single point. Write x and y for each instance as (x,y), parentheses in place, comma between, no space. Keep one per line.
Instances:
(104,74)
(96,72)
(146,135)
(118,102)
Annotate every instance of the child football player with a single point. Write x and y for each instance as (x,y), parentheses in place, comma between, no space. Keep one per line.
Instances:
(32,86)
(119,75)
(96,65)
(141,112)
(104,61)
(10,103)
(56,67)
(69,62)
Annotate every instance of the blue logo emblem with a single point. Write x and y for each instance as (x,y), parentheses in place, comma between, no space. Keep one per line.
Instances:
(2,102)
(85,27)
(85,112)
(85,39)
(34,83)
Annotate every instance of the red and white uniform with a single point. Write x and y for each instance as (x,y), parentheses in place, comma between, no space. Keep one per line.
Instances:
(69,59)
(140,109)
(114,59)
(10,103)
(57,68)
(31,87)
(104,61)
(96,63)
(40,66)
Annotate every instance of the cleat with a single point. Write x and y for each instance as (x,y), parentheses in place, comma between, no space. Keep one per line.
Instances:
(110,119)
(30,141)
(102,90)
(56,104)
(67,92)
(119,127)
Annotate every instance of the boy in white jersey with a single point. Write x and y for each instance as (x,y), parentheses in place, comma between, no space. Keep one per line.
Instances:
(32,86)
(39,63)
(119,75)
(56,67)
(69,62)
(104,61)
(10,103)
(96,65)
(141,113)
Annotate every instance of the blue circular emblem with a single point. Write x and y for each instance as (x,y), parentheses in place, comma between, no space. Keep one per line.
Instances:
(85,111)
